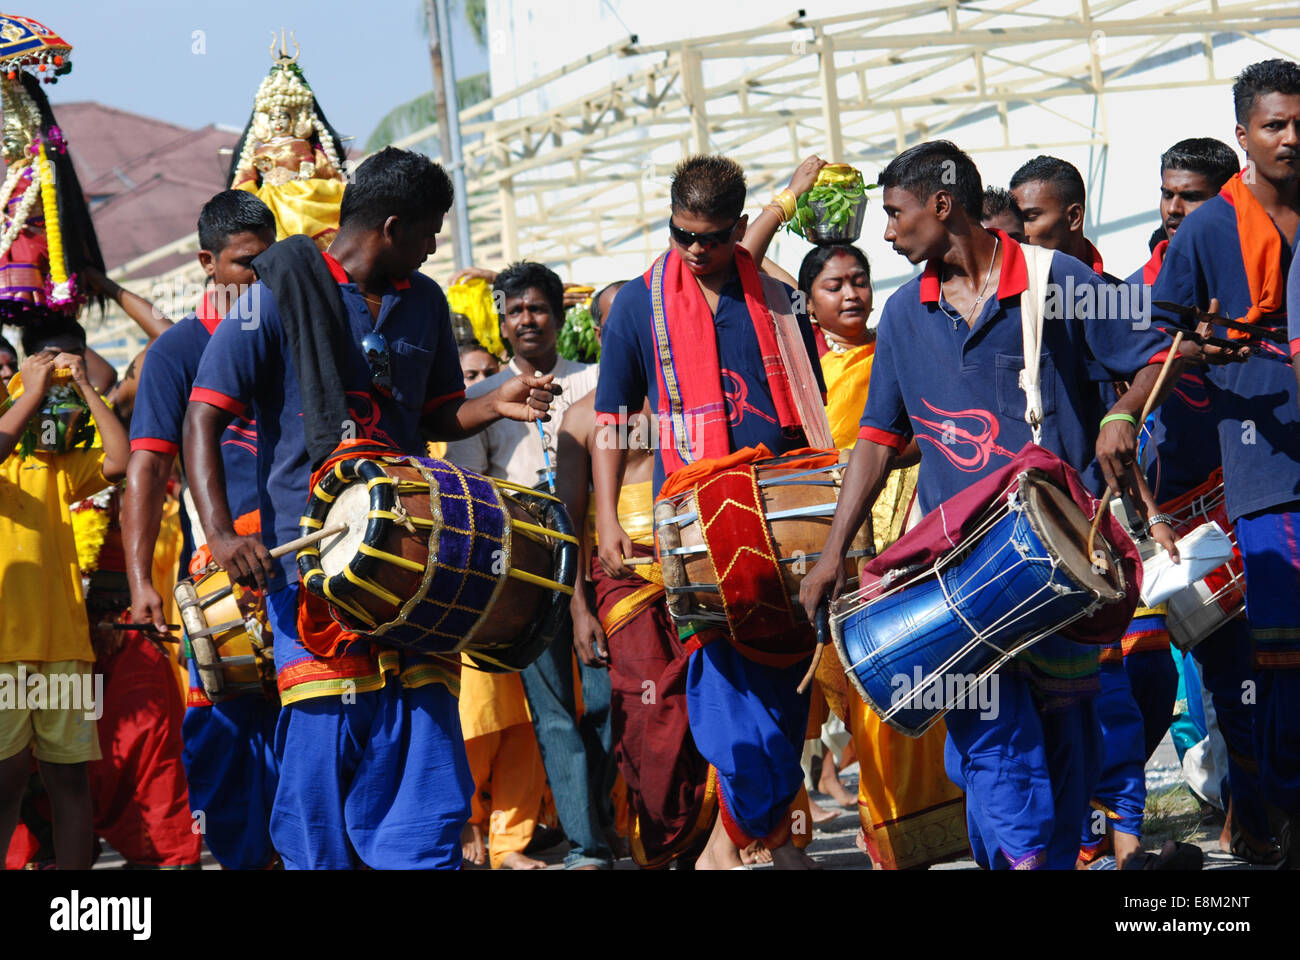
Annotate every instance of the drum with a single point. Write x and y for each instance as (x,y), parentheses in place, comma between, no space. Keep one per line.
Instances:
(918,641)
(1206,605)
(784,521)
(228,636)
(439,560)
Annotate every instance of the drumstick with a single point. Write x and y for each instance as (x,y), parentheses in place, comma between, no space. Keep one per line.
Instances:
(821,624)
(308,540)
(638,561)
(1098,558)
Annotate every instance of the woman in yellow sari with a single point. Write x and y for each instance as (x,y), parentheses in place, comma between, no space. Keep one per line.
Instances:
(912,815)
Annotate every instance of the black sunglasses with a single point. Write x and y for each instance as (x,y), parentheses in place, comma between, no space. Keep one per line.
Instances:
(375,349)
(706,240)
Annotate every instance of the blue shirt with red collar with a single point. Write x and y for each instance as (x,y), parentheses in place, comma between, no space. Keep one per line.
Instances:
(1183,424)
(249,362)
(629,366)
(168,376)
(957,389)
(1254,403)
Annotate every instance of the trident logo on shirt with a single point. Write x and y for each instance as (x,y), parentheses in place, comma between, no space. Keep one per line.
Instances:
(954,438)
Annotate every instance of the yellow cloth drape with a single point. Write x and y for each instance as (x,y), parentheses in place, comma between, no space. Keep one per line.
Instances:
(490,702)
(847,376)
(310,206)
(472,298)
(911,813)
(166,562)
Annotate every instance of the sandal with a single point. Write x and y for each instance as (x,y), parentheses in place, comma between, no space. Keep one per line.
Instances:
(1241,849)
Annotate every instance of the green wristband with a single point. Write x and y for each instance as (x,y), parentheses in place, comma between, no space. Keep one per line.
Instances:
(1114,417)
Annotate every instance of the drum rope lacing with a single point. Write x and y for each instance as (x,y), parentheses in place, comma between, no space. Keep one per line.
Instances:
(1011,502)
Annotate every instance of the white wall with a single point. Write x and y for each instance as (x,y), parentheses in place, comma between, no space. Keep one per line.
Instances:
(529,37)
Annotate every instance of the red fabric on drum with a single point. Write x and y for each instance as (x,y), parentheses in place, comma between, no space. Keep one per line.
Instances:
(805,458)
(949,524)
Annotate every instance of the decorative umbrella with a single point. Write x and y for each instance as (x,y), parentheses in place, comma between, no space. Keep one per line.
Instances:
(30,44)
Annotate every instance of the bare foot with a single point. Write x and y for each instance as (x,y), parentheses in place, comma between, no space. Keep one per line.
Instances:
(517,861)
(789,857)
(831,785)
(820,814)
(860,841)
(756,853)
(1126,845)
(471,845)
(719,853)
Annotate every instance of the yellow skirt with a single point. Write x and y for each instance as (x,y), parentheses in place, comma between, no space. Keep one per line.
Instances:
(310,207)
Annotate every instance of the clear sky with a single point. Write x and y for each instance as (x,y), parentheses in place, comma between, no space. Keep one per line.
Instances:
(361,57)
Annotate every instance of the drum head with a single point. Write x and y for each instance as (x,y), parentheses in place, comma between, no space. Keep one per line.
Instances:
(351,508)
(1063,527)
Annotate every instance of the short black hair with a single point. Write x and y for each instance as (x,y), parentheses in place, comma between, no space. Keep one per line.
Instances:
(473,346)
(231,212)
(7,347)
(1260,79)
(53,327)
(819,256)
(1062,175)
(1157,235)
(395,183)
(712,187)
(997,202)
(927,168)
(595,301)
(517,278)
(1212,159)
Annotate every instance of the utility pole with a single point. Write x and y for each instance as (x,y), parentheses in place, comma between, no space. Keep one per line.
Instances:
(447,108)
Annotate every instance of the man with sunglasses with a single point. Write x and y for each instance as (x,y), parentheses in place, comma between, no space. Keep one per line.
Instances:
(695,337)
(373,768)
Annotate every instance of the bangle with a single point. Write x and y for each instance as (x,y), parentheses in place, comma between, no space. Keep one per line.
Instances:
(1115,417)
(1158,518)
(787,201)
(778,211)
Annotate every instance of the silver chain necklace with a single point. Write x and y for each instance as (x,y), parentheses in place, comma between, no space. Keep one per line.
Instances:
(978,299)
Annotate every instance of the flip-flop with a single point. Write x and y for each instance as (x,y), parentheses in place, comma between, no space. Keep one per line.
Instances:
(1242,850)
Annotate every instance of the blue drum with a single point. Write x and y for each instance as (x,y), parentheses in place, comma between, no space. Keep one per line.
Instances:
(920,642)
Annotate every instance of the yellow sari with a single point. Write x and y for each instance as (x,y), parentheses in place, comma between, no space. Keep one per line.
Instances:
(912,815)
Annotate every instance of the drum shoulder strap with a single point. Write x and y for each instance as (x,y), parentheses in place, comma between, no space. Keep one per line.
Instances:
(794,355)
(1032,309)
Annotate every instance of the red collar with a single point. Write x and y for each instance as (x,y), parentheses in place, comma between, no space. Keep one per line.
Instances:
(1151,269)
(207,312)
(341,276)
(1013,277)
(1094,258)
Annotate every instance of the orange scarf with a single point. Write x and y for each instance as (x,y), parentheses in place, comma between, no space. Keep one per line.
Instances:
(1261,254)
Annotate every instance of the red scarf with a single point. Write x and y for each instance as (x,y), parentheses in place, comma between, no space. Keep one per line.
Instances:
(1261,253)
(688,363)
(1151,269)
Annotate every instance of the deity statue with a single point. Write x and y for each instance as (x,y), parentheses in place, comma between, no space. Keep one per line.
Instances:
(47,243)
(289,155)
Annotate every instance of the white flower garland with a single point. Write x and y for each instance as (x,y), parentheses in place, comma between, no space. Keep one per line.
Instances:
(19,220)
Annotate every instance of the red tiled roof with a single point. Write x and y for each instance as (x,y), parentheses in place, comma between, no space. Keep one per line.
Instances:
(147,179)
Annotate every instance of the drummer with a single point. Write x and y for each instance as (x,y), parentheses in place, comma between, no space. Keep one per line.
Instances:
(1192,171)
(373,768)
(1232,256)
(746,718)
(1029,771)
(229,756)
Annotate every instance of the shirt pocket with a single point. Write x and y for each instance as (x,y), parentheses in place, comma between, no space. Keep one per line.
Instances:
(1011,398)
(411,368)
